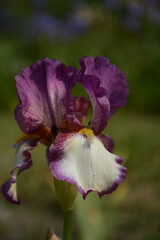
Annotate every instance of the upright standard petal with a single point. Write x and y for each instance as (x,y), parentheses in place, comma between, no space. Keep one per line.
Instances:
(99,101)
(81,159)
(81,108)
(35,107)
(44,93)
(111,79)
(22,162)
(60,83)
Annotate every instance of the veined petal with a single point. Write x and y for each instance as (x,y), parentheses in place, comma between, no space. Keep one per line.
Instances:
(114,81)
(35,106)
(83,160)
(22,162)
(111,79)
(59,84)
(99,101)
(44,93)
(81,108)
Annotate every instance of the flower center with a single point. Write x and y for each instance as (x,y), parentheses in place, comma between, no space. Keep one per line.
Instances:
(46,135)
(87,132)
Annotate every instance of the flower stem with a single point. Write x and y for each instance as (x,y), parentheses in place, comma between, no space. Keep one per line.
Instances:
(67,227)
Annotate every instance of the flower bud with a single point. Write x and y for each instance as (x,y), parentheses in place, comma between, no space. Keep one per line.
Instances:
(66,194)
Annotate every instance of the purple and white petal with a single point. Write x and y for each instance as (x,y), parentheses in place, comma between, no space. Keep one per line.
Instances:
(44,93)
(84,161)
(22,162)
(111,79)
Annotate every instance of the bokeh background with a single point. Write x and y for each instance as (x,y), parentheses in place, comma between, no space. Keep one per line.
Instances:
(127,32)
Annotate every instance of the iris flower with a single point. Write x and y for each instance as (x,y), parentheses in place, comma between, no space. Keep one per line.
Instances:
(47,113)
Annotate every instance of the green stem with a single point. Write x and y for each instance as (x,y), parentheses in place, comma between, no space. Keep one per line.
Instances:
(67,227)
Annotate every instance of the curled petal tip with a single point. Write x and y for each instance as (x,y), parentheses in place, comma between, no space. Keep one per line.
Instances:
(22,162)
(9,191)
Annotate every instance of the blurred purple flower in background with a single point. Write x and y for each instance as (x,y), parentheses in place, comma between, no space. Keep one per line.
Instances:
(154,15)
(81,16)
(63,29)
(153,11)
(152,2)
(76,24)
(134,13)
(45,25)
(134,9)
(131,24)
(113,5)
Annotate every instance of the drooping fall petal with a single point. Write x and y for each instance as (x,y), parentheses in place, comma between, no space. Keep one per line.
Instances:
(81,159)
(22,162)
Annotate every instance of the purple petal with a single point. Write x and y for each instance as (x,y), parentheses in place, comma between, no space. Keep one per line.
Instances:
(44,93)
(99,101)
(81,108)
(107,141)
(111,80)
(22,162)
(35,107)
(82,159)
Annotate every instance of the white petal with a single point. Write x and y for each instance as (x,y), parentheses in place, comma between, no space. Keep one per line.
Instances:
(88,164)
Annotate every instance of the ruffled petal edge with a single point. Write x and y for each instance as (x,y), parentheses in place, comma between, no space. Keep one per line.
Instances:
(86,163)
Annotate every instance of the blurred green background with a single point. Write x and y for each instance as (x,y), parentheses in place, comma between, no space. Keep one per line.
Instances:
(127,32)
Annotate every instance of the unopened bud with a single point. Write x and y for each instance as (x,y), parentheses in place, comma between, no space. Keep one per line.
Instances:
(66,194)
